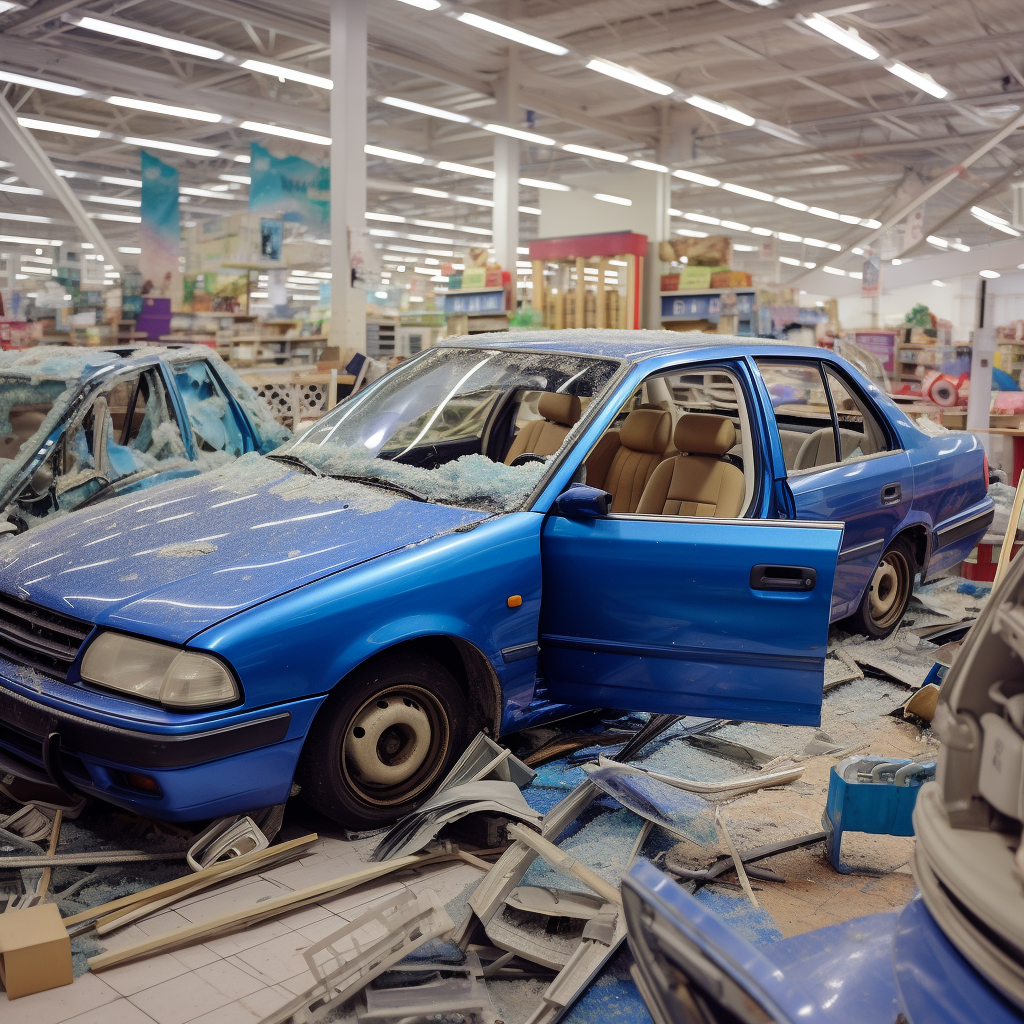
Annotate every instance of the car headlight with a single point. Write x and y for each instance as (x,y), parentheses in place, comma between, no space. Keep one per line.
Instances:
(176,678)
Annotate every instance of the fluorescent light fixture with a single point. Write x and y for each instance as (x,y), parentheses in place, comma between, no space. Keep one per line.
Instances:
(27,218)
(516,133)
(834,246)
(242,158)
(127,182)
(847,218)
(172,147)
(789,261)
(381,233)
(600,154)
(422,108)
(790,204)
(735,225)
(648,165)
(857,251)
(286,133)
(443,225)
(843,36)
(827,214)
(21,190)
(206,193)
(476,172)
(113,200)
(139,35)
(697,179)
(423,5)
(744,248)
(45,271)
(48,260)
(617,200)
(238,179)
(766,232)
(39,83)
(817,243)
(992,220)
(691,233)
(553,186)
(9,5)
(164,108)
(959,246)
(393,154)
(834,270)
(431,238)
(21,240)
(810,266)
(628,75)
(514,34)
(474,201)
(291,74)
(385,216)
(722,109)
(919,80)
(990,274)
(785,236)
(129,250)
(750,193)
(940,242)
(869,223)
(488,231)
(856,275)
(120,217)
(702,218)
(436,193)
(939,284)
(672,212)
(55,126)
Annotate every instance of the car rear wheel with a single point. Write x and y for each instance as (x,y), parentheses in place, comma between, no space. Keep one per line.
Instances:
(386,736)
(885,601)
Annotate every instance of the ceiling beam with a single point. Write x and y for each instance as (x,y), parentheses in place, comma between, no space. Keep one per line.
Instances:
(34,166)
(294,25)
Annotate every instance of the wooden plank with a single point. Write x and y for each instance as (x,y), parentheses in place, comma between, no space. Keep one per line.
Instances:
(214,873)
(602,267)
(243,917)
(581,294)
(626,311)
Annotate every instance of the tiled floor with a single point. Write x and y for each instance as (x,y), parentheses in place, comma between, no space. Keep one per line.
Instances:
(232,979)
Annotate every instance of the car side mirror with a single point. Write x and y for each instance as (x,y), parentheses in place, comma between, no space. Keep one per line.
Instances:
(583,502)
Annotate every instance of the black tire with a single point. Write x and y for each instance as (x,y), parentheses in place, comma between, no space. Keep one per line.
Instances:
(885,600)
(411,716)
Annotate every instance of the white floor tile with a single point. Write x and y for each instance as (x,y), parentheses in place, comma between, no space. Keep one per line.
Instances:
(194,957)
(233,899)
(168,921)
(58,1004)
(227,978)
(279,958)
(228,945)
(132,978)
(119,1012)
(180,1000)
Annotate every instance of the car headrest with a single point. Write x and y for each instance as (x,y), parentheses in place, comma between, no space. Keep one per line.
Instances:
(699,433)
(27,419)
(646,430)
(564,409)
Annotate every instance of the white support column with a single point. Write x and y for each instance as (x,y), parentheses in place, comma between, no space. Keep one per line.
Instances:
(348,168)
(505,219)
(32,164)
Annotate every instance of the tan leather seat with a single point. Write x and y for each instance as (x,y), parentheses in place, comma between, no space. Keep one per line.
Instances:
(25,421)
(643,438)
(699,482)
(545,436)
(819,449)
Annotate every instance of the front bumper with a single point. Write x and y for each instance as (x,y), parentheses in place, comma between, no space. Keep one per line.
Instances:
(201,774)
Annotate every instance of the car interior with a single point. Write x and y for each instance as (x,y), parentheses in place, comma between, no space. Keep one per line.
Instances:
(25,420)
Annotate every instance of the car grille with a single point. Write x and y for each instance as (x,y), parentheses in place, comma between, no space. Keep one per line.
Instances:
(39,638)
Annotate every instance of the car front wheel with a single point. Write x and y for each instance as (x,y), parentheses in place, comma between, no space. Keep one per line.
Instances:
(885,601)
(383,740)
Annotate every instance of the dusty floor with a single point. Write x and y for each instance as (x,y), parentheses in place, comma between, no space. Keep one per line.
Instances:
(239,978)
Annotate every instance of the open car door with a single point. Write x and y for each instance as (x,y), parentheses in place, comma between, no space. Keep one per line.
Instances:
(723,618)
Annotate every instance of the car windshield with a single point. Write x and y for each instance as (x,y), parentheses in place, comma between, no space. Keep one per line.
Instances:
(25,404)
(444,427)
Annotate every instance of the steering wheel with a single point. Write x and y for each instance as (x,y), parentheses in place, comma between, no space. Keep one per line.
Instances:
(522,460)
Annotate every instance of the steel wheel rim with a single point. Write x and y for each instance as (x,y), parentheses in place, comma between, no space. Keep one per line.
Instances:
(889,589)
(394,745)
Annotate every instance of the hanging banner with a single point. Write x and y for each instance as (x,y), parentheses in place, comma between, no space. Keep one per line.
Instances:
(160,232)
(871,281)
(292,190)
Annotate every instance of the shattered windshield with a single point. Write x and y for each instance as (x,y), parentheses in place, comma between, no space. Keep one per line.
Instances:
(461,426)
(24,406)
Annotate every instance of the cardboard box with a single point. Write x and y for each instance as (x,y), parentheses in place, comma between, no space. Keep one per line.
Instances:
(474,277)
(35,950)
(695,277)
(670,282)
(731,279)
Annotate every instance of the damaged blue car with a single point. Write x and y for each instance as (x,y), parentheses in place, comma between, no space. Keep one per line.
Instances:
(502,531)
(80,425)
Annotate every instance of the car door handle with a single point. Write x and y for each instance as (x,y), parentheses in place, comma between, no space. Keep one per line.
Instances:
(892,494)
(782,577)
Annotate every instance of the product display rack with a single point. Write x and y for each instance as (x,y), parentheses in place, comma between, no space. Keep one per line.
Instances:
(691,304)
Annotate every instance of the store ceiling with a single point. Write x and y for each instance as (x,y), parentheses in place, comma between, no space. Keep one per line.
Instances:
(833,130)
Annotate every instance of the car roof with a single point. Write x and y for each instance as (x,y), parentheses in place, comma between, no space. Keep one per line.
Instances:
(73,363)
(631,346)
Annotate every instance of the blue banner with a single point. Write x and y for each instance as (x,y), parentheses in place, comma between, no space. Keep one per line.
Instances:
(160,232)
(291,189)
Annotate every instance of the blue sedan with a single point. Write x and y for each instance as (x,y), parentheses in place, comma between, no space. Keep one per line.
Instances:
(501,531)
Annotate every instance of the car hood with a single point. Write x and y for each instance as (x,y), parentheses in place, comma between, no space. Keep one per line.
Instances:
(178,558)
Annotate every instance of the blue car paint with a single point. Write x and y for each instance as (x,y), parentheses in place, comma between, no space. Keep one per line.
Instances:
(868,970)
(292,625)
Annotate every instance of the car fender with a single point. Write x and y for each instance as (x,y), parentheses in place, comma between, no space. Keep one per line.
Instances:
(917,518)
